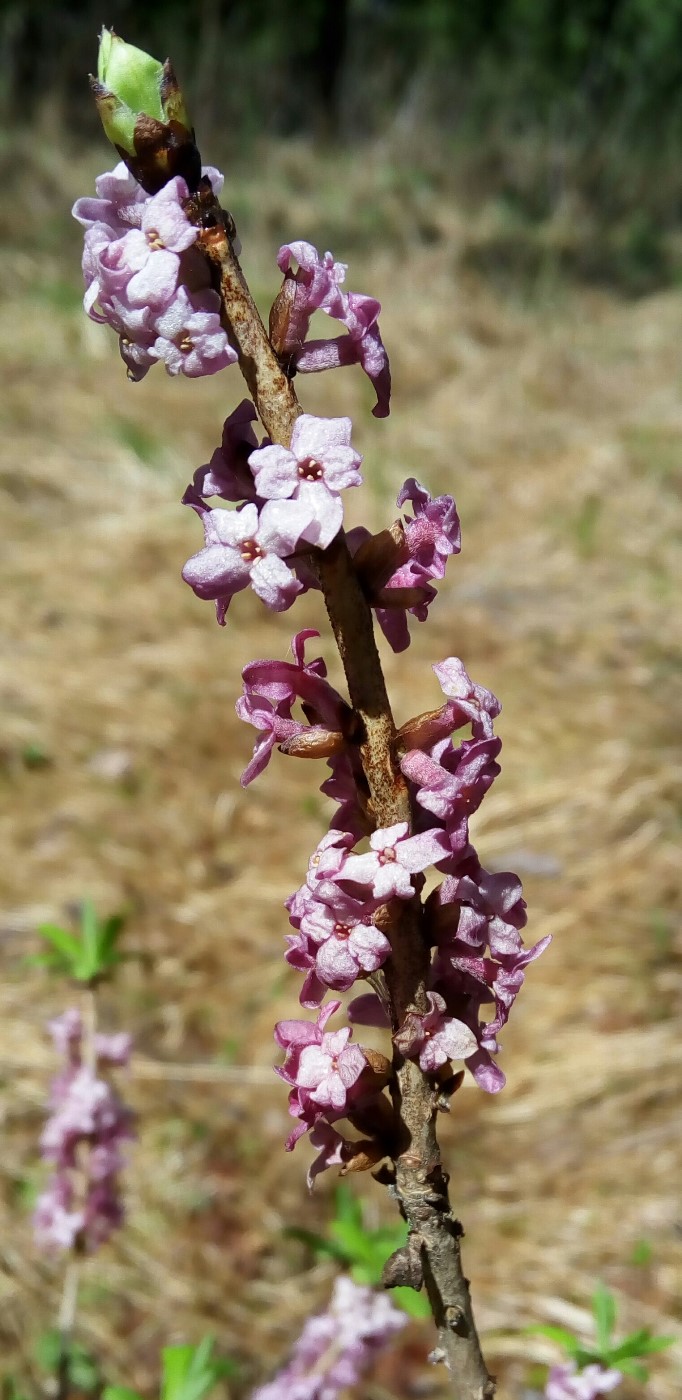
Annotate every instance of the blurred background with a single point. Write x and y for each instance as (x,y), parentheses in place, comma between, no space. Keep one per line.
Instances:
(506,178)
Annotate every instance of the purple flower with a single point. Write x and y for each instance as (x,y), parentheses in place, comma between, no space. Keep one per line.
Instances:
(271,688)
(565,1382)
(435,1037)
(345,941)
(293,1036)
(245,546)
(118,203)
(228,474)
(433,532)
(145,278)
(322,1068)
(189,336)
(453,782)
(332,1149)
(83,1139)
(319,464)
(394,857)
(330,1070)
(326,862)
(337,1347)
(470,703)
(430,537)
(316,286)
(301,954)
(56,1224)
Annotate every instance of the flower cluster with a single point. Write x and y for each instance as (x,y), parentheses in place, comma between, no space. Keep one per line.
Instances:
(316,285)
(268,513)
(145,278)
(289,501)
(83,1141)
(336,1348)
(472,919)
(398,568)
(565,1382)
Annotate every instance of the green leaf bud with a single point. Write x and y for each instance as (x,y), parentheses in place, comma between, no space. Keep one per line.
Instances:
(143,112)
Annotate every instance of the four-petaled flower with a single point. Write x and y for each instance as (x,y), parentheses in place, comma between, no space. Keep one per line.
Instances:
(245,546)
(319,463)
(435,1037)
(329,1070)
(393,859)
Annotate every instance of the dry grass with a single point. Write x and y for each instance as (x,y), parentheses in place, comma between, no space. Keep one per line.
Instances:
(557,422)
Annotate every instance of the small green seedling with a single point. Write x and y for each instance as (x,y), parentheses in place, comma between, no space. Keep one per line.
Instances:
(625,1356)
(54,1352)
(188,1373)
(86,956)
(362,1251)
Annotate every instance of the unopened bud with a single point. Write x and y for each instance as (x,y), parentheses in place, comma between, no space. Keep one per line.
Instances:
(315,742)
(143,114)
(425,729)
(380,1065)
(366,1154)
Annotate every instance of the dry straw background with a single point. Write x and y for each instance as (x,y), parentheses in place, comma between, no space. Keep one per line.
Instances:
(554,414)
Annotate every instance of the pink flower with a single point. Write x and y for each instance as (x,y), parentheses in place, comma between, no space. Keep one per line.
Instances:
(332,1149)
(453,782)
(319,464)
(145,278)
(271,688)
(317,287)
(346,942)
(565,1382)
(394,857)
(329,1070)
(431,536)
(228,474)
(326,862)
(293,1036)
(434,1037)
(85,1133)
(337,1347)
(118,204)
(189,336)
(433,533)
(245,546)
(471,703)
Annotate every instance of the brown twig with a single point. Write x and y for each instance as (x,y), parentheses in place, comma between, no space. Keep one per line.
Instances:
(420,1184)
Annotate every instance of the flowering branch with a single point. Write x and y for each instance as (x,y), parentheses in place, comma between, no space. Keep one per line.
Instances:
(419,1182)
(161,267)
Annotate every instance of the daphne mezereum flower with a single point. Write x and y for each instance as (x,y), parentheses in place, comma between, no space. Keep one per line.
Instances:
(145,278)
(336,1348)
(83,1141)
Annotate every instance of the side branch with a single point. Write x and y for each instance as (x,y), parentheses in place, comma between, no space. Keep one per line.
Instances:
(433,1254)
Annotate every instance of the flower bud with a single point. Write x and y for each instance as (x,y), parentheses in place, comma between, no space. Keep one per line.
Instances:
(143,114)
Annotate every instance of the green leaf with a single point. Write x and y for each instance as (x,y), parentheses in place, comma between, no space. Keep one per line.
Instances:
(642,1253)
(583,1357)
(83,1370)
(317,1243)
(640,1344)
(88,963)
(348,1208)
(414,1303)
(120,1392)
(560,1335)
(604,1309)
(635,1369)
(190,1373)
(65,944)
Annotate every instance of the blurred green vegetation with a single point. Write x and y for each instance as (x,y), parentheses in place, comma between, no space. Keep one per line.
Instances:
(566,115)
